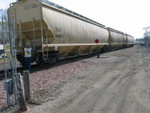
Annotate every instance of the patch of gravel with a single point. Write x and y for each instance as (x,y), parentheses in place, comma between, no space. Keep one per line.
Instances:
(45,84)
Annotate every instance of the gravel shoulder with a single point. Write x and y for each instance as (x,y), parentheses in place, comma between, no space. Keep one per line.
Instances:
(117,82)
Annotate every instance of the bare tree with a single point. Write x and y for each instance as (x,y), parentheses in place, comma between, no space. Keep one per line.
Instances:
(4,25)
(147,36)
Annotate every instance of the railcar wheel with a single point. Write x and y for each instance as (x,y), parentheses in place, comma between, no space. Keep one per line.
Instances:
(39,60)
(20,58)
(54,57)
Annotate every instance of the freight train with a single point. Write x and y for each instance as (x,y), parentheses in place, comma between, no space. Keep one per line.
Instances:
(54,31)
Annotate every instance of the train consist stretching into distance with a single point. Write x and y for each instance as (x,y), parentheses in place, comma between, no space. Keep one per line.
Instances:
(54,31)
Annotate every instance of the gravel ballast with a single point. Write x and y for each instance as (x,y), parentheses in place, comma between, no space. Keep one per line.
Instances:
(50,78)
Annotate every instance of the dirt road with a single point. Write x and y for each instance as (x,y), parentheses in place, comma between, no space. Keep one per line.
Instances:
(118,82)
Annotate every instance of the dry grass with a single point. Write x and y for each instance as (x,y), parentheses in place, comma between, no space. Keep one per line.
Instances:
(7,54)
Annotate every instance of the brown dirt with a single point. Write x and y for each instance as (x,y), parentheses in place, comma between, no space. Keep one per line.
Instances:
(117,82)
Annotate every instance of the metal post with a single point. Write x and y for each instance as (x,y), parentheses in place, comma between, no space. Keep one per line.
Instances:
(20,33)
(46,42)
(13,52)
(98,53)
(33,24)
(42,38)
(17,78)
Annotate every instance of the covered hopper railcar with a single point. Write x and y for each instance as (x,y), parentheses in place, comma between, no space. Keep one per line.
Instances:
(54,31)
(118,39)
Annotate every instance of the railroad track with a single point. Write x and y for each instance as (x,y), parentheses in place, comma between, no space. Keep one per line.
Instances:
(36,68)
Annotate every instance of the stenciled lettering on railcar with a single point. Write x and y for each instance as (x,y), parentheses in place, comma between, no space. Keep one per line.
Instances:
(58,35)
(34,5)
(58,29)
(28,7)
(58,32)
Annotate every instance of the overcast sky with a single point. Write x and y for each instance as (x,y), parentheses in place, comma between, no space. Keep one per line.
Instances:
(129,16)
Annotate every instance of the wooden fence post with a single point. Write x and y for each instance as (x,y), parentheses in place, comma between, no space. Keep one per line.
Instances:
(20,89)
(26,85)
